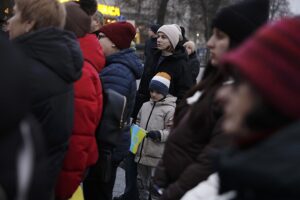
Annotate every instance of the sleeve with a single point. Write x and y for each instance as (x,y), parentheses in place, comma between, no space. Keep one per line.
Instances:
(195,67)
(115,77)
(168,124)
(82,150)
(138,118)
(199,170)
(184,82)
(160,176)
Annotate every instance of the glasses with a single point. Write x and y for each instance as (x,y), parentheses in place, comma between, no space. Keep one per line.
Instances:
(101,36)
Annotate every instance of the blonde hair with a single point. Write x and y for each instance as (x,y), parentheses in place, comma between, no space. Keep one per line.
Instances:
(45,13)
(190,44)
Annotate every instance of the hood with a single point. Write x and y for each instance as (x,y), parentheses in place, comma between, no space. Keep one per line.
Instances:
(193,55)
(130,59)
(169,100)
(92,51)
(14,103)
(56,49)
(180,53)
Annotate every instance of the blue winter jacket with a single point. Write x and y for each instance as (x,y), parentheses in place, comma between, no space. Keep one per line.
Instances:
(120,73)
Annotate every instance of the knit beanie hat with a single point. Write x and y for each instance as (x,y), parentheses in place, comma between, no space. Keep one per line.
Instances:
(120,33)
(270,61)
(161,83)
(154,27)
(78,19)
(240,20)
(172,32)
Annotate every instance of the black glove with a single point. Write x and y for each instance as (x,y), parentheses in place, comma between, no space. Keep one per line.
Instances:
(154,135)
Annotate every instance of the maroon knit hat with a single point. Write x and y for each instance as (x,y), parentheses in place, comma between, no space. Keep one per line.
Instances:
(270,60)
(120,33)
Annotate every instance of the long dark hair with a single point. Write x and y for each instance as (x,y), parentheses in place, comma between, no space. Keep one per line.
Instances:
(213,78)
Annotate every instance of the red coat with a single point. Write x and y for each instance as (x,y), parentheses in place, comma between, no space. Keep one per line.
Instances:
(83,151)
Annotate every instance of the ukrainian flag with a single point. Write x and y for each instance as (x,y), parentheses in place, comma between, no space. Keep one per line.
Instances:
(137,135)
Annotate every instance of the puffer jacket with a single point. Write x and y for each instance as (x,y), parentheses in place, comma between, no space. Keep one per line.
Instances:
(120,73)
(83,150)
(54,63)
(155,116)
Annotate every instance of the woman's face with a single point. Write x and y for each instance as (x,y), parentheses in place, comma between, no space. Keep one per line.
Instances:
(163,42)
(237,101)
(218,44)
(17,26)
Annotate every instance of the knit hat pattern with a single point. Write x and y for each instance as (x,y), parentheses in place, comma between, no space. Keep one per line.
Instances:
(161,83)
(240,20)
(270,61)
(172,32)
(120,33)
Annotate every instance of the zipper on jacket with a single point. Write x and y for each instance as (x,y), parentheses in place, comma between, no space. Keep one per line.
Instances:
(146,129)
(122,114)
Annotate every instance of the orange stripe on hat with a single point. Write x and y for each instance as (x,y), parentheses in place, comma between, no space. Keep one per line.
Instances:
(164,74)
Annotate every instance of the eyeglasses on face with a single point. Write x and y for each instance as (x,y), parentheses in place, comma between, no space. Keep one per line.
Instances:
(101,36)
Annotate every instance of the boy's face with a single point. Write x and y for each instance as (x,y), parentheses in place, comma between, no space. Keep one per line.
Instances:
(156,96)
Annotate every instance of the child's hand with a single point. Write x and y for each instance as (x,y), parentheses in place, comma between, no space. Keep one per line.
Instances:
(154,135)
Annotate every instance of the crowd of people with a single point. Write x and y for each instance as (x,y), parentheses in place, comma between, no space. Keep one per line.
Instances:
(231,136)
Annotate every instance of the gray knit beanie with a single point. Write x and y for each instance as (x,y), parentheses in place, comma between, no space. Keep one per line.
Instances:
(172,32)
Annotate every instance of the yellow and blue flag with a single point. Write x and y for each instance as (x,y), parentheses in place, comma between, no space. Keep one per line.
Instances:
(137,135)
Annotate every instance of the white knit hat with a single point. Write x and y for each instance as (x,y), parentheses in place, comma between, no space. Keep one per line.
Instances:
(172,32)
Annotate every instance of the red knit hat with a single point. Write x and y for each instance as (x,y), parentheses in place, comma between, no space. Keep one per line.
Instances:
(120,33)
(270,60)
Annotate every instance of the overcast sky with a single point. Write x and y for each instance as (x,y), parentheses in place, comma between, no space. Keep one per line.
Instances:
(295,6)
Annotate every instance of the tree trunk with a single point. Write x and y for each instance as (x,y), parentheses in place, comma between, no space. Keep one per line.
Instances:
(161,13)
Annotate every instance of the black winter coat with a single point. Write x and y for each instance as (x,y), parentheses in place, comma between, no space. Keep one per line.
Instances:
(266,170)
(175,65)
(55,61)
(194,66)
(22,170)
(18,143)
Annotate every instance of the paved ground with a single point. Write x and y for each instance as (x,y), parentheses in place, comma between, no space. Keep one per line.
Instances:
(118,189)
(120,183)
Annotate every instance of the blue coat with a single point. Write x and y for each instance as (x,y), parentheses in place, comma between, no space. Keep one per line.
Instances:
(120,73)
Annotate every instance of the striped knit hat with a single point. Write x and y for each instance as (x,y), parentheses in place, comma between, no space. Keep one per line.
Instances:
(270,61)
(161,83)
